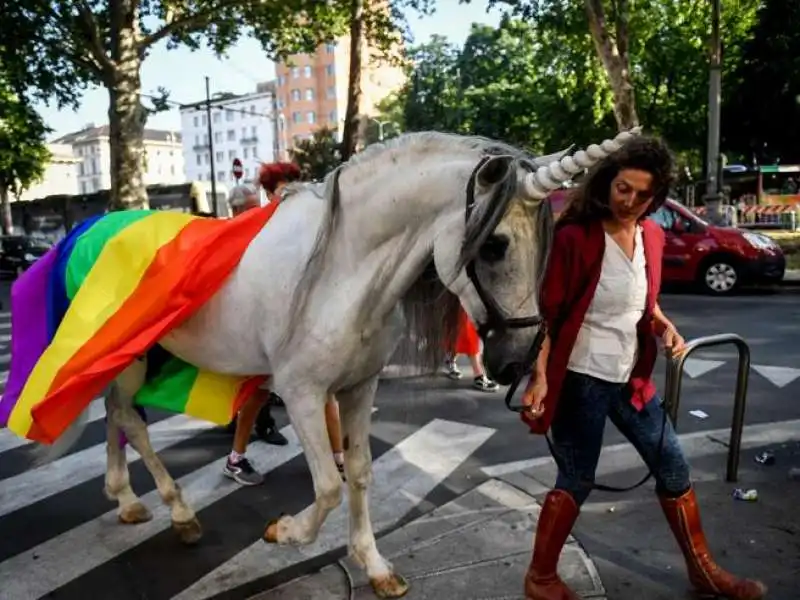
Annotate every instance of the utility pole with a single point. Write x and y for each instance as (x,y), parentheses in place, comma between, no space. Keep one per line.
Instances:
(211,149)
(712,197)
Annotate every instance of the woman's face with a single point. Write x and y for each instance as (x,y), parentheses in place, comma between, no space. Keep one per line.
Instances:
(631,195)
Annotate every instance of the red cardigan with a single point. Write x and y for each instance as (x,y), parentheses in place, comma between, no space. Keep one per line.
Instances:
(569,285)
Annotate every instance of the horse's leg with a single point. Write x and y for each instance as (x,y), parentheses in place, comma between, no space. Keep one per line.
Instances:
(306,410)
(355,407)
(122,413)
(118,485)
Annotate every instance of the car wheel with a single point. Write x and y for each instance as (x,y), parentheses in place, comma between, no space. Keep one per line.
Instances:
(720,276)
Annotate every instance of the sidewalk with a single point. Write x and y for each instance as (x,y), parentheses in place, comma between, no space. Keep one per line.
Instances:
(476,547)
(630,543)
(791,277)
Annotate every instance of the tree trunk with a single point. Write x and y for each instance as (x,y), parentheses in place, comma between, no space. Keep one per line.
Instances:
(5,207)
(352,121)
(126,114)
(126,119)
(613,53)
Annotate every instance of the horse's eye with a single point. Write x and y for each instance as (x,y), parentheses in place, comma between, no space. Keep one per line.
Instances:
(494,248)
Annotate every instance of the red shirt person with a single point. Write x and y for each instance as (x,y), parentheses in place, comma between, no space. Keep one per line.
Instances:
(599,300)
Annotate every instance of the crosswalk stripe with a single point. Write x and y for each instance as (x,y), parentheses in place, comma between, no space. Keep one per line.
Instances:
(402,477)
(53,478)
(10,440)
(54,563)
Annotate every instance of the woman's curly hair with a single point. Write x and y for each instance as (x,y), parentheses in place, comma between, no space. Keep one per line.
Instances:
(589,200)
(271,175)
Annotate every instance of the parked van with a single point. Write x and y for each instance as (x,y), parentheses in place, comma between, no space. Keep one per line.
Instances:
(717,259)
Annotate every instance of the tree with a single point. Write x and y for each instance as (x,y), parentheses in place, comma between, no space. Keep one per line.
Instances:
(318,155)
(23,150)
(352,124)
(105,42)
(761,109)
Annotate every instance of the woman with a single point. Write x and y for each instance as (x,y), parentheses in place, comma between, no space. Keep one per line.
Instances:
(468,342)
(599,300)
(272,177)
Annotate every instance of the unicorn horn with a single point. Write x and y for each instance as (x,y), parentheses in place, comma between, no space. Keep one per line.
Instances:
(545,179)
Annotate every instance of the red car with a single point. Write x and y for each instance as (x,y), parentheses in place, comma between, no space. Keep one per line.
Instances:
(717,259)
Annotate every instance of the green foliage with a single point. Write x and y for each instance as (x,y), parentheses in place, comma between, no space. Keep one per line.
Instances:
(761,110)
(23,150)
(318,155)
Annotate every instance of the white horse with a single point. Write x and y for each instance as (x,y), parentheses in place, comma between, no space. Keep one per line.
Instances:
(393,239)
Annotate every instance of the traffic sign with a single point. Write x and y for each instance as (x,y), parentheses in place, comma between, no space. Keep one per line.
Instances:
(237,168)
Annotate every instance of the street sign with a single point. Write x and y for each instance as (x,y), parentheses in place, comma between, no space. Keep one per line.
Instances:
(237,168)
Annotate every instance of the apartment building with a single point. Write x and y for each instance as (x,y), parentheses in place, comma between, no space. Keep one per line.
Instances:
(242,126)
(60,175)
(312,89)
(163,159)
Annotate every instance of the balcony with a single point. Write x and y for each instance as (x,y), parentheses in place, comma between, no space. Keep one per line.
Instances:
(253,139)
(200,147)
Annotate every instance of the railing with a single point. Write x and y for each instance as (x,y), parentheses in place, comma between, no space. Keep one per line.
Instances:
(674,378)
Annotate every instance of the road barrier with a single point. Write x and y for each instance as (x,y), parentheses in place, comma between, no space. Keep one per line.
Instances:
(674,378)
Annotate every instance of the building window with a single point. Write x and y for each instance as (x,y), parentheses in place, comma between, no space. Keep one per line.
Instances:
(295,94)
(330,92)
(310,94)
(295,72)
(311,117)
(83,187)
(81,170)
(199,160)
(253,109)
(330,48)
(332,117)
(244,132)
(205,158)
(229,115)
(307,72)
(281,79)
(280,103)
(231,135)
(205,121)
(246,152)
(296,117)
(217,137)
(329,69)
(220,156)
(196,121)
(231,154)
(216,117)
(220,175)
(95,184)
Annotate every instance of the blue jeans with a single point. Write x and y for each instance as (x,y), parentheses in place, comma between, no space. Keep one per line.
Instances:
(578,436)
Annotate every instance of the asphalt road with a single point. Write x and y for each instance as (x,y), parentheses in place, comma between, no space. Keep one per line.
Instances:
(431,438)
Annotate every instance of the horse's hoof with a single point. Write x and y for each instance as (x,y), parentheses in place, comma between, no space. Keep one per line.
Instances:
(189,532)
(389,586)
(271,532)
(134,513)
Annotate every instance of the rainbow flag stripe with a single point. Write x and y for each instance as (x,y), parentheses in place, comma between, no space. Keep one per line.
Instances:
(102,298)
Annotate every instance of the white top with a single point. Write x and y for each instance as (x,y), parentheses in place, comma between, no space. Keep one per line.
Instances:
(607,345)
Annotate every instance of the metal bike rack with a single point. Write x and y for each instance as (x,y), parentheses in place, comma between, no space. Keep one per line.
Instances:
(674,378)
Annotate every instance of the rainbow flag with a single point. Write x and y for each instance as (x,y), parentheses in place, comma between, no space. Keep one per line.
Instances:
(102,298)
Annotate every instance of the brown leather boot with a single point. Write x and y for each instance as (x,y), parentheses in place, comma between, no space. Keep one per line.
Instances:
(555,522)
(706,576)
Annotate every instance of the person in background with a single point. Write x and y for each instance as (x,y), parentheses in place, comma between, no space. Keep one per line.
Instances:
(468,342)
(273,177)
(256,410)
(599,300)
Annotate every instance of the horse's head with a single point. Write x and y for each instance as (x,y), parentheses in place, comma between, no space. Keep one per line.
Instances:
(494,255)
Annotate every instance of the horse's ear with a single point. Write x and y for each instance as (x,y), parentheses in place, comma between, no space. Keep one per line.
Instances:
(494,170)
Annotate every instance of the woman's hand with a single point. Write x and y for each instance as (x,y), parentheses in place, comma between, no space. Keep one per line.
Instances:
(674,344)
(533,398)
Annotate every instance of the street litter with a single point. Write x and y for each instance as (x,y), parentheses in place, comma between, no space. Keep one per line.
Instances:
(699,414)
(747,496)
(765,458)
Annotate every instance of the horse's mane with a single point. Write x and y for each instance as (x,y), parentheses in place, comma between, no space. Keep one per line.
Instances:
(430,310)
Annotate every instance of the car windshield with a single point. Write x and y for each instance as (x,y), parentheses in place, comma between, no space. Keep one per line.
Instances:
(691,214)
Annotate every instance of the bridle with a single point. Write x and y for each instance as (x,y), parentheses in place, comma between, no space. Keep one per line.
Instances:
(496,322)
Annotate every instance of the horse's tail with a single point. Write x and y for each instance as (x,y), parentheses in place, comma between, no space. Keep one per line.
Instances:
(46,454)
